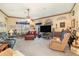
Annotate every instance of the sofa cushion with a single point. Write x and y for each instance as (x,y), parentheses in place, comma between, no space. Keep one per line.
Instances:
(57,34)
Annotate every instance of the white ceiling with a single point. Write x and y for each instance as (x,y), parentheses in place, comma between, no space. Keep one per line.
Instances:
(37,10)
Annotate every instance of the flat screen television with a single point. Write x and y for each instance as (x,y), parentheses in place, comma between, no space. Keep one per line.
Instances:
(45,28)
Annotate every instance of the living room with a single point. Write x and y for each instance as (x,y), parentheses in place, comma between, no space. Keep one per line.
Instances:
(39,29)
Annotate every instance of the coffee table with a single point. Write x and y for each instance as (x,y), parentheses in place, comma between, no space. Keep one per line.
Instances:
(3,47)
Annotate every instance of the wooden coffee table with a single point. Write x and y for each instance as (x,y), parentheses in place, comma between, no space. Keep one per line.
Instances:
(3,47)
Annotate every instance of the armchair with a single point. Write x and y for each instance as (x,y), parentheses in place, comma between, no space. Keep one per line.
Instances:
(30,35)
(60,46)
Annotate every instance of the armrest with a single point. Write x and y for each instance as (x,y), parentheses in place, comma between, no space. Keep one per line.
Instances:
(7,52)
(10,38)
(3,42)
(57,42)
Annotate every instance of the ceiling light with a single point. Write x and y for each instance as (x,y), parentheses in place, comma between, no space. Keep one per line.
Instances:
(28,17)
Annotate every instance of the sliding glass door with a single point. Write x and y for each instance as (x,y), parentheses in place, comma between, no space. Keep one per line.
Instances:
(22,26)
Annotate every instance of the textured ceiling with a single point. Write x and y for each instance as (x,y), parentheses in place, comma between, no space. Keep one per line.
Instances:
(37,10)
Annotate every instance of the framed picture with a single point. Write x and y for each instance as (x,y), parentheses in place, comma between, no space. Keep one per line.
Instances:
(73,23)
(62,24)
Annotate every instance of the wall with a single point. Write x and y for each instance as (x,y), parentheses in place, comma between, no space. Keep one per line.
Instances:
(3,21)
(11,23)
(56,21)
(67,18)
(76,14)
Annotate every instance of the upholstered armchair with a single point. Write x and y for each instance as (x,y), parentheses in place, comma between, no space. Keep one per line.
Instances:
(60,45)
(30,35)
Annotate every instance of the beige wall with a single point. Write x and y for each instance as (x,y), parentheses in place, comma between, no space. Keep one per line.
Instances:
(11,23)
(76,15)
(3,20)
(56,20)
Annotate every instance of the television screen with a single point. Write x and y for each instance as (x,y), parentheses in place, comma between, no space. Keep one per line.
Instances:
(45,28)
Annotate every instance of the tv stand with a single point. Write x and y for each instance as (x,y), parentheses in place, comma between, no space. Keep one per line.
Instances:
(46,35)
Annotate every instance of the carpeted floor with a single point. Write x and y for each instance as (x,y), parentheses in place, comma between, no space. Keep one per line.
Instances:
(39,47)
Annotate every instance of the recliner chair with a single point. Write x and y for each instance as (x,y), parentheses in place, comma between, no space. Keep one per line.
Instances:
(60,46)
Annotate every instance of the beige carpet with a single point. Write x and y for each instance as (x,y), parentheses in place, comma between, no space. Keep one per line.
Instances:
(38,47)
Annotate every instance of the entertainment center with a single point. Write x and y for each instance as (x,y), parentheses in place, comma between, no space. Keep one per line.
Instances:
(45,28)
(45,31)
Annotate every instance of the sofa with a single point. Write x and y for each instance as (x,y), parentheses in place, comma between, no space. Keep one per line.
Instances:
(5,39)
(57,34)
(30,35)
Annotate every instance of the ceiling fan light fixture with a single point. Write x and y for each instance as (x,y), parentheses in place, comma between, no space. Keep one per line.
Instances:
(28,17)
